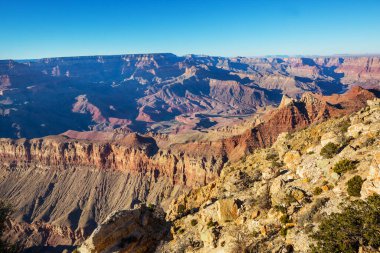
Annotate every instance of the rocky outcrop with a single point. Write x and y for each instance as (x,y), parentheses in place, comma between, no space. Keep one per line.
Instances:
(274,199)
(372,184)
(138,231)
(41,237)
(294,115)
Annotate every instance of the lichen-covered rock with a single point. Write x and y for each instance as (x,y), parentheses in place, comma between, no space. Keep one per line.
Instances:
(372,183)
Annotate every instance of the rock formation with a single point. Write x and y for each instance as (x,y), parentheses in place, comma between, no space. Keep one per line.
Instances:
(138,231)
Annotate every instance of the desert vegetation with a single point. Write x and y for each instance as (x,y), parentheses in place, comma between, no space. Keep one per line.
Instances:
(355,228)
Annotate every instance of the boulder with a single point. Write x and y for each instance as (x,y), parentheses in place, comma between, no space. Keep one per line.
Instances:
(227,210)
(292,159)
(331,137)
(135,230)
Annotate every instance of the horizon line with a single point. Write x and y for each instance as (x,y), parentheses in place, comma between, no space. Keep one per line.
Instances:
(203,55)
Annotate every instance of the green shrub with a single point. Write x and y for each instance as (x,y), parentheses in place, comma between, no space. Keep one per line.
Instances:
(317,190)
(272,156)
(151,207)
(283,232)
(285,219)
(354,186)
(329,150)
(344,165)
(356,226)
(280,208)
(193,222)
(181,208)
(211,224)
(344,125)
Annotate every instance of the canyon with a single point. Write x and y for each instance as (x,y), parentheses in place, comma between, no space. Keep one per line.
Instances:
(153,92)
(84,137)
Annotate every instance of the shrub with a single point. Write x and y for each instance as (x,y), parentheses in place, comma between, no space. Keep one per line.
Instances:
(193,222)
(280,208)
(344,125)
(329,150)
(151,207)
(354,186)
(344,165)
(181,208)
(272,156)
(211,224)
(317,190)
(356,226)
(289,248)
(277,164)
(283,232)
(285,219)
(369,142)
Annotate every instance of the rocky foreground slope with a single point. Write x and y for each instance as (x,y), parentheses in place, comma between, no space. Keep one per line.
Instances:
(270,201)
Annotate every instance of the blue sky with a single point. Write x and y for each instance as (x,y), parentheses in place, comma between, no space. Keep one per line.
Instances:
(35,29)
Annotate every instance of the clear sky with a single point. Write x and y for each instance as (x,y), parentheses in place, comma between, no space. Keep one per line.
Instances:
(41,28)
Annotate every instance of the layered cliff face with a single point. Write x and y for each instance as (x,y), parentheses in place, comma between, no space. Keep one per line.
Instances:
(148,92)
(59,184)
(361,70)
